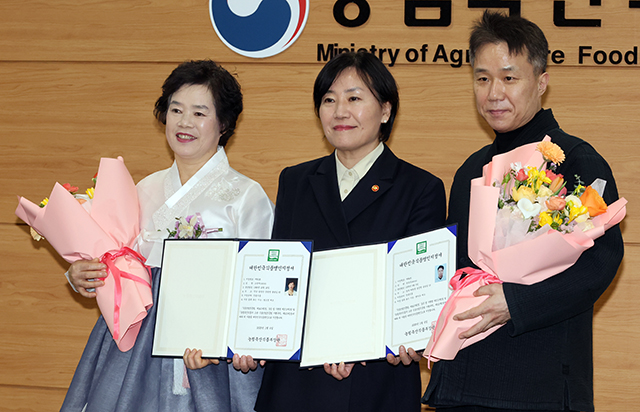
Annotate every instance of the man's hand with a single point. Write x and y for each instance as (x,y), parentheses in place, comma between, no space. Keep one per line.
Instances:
(494,311)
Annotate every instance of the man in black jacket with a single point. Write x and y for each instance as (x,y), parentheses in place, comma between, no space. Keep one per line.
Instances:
(541,359)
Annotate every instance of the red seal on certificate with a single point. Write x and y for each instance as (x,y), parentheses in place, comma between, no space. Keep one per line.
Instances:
(281,339)
(375,188)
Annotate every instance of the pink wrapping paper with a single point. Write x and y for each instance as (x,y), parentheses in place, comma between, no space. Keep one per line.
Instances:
(108,231)
(514,264)
(447,330)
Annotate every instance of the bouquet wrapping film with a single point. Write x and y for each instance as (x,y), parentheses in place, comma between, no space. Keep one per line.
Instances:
(107,230)
(514,264)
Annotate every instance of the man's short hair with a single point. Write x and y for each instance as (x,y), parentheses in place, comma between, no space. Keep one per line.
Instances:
(521,36)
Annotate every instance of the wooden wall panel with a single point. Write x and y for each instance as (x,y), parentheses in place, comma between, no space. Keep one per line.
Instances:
(616,330)
(45,324)
(31,399)
(79,80)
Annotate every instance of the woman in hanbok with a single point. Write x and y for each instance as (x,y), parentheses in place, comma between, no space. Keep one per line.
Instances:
(199,106)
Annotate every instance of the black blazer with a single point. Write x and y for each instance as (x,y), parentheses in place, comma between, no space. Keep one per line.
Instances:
(394,199)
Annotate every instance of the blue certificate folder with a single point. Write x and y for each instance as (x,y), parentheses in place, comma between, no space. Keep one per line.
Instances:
(228,296)
(366,301)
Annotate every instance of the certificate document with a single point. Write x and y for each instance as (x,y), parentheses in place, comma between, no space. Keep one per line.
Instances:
(366,301)
(228,296)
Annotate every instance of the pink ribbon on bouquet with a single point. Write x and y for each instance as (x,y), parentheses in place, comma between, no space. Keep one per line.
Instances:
(444,342)
(109,259)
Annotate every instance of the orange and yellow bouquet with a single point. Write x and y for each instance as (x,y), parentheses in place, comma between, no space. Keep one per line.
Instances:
(533,212)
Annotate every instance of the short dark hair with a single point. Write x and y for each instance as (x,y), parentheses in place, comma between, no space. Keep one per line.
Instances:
(224,88)
(372,72)
(520,34)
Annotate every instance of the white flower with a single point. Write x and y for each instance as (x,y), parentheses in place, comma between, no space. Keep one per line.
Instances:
(527,208)
(186,229)
(582,218)
(584,226)
(574,199)
(516,166)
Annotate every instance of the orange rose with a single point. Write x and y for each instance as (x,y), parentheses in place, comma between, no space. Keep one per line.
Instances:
(592,200)
(556,203)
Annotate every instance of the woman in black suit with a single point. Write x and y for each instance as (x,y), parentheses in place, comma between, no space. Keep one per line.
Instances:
(362,193)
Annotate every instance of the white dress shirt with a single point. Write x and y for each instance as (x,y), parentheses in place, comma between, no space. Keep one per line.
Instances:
(349,178)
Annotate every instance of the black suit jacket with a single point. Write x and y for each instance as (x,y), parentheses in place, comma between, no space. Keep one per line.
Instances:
(394,199)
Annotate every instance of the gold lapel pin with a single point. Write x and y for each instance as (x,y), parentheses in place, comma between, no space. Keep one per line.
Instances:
(375,188)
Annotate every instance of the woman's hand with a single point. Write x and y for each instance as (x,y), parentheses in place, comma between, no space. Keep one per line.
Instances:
(245,363)
(84,274)
(340,371)
(193,359)
(405,356)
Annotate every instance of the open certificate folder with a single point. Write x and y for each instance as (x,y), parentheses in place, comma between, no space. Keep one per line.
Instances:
(366,301)
(232,296)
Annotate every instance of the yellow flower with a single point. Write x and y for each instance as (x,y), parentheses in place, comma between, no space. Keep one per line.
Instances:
(545,219)
(557,219)
(537,178)
(576,210)
(523,192)
(533,174)
(544,178)
(90,192)
(551,152)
